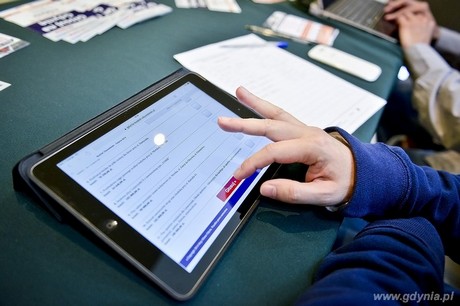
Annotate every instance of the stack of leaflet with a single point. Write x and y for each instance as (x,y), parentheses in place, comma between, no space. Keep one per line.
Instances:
(228,6)
(80,20)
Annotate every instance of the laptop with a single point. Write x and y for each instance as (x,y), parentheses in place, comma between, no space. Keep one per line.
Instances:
(366,15)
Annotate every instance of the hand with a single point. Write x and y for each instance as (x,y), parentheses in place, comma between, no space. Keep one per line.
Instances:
(330,176)
(415,29)
(415,21)
(394,8)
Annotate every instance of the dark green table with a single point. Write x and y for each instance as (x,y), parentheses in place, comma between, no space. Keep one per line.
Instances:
(58,86)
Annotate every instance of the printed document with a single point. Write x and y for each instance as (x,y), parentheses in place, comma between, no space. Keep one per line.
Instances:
(314,95)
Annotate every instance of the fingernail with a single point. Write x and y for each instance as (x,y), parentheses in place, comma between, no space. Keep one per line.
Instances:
(268,190)
(236,173)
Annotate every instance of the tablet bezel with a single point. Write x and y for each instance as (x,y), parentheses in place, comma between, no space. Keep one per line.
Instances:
(126,241)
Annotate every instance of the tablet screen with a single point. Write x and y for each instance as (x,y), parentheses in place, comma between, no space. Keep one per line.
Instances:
(167,172)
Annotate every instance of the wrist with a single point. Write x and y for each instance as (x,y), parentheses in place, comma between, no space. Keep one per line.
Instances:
(333,208)
(435,36)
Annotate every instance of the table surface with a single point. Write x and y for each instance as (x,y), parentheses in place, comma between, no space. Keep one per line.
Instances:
(58,86)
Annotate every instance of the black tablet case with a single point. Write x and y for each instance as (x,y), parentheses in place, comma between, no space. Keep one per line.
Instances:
(21,179)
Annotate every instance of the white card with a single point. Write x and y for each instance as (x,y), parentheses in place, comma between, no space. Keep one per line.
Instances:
(4,85)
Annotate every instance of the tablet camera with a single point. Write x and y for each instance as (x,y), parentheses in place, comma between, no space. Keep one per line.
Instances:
(110,225)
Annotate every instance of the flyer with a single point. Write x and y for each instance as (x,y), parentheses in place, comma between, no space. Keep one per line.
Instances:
(10,44)
(80,20)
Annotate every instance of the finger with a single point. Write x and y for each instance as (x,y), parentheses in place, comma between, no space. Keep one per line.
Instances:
(397,8)
(264,108)
(394,5)
(414,7)
(275,130)
(318,192)
(403,19)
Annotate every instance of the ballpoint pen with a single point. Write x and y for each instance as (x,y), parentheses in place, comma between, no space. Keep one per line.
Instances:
(271,33)
(279,44)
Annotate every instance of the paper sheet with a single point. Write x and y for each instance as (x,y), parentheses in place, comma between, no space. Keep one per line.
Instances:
(4,85)
(312,94)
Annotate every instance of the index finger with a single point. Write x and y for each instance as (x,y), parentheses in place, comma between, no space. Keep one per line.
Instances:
(264,108)
(395,9)
(394,5)
(275,130)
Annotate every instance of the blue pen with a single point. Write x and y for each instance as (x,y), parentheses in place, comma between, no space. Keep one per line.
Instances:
(279,44)
(282,44)
(271,33)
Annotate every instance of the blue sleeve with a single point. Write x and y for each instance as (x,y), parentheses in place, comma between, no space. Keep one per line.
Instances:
(389,185)
(391,261)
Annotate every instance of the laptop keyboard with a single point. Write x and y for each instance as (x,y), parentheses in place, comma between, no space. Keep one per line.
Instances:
(364,12)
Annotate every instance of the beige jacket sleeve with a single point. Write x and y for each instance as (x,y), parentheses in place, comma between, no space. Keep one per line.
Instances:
(436,94)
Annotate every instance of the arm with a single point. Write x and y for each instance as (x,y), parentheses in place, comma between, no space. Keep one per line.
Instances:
(388,184)
(436,94)
(402,256)
(448,41)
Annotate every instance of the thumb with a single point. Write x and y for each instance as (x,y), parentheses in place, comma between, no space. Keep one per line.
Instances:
(318,192)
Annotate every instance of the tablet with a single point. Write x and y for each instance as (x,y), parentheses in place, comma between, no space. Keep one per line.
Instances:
(155,181)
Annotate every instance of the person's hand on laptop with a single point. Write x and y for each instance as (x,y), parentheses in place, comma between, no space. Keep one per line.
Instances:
(394,8)
(330,176)
(415,29)
(414,19)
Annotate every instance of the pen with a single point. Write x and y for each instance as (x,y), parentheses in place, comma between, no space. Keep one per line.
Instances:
(271,33)
(279,44)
